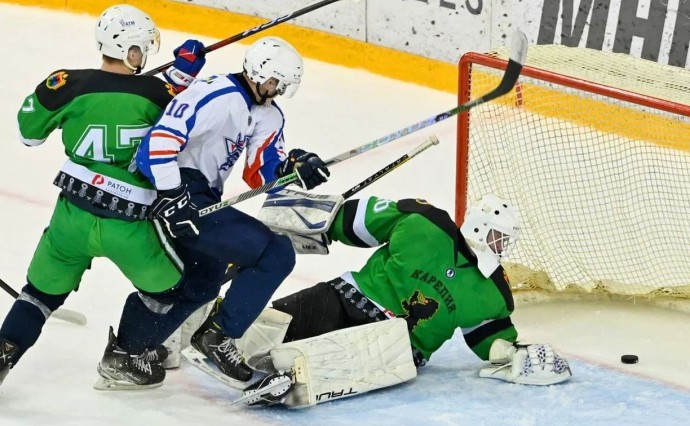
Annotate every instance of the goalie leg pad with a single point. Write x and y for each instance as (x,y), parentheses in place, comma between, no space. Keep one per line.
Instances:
(174,346)
(265,333)
(346,362)
(180,338)
(193,322)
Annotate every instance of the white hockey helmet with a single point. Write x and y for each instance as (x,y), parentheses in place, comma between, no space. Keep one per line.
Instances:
(121,27)
(274,57)
(491,230)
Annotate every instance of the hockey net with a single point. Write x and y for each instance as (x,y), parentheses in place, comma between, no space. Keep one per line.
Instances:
(594,150)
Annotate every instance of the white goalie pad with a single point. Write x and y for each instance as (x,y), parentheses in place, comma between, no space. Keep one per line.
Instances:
(294,212)
(181,337)
(265,333)
(536,364)
(346,362)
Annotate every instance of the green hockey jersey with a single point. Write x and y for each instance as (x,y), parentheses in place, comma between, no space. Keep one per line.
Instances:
(103,117)
(424,272)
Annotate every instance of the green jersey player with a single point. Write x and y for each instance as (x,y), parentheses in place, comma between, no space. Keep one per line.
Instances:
(101,210)
(427,279)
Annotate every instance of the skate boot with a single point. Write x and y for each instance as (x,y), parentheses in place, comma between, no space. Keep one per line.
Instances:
(271,390)
(7,352)
(122,371)
(210,340)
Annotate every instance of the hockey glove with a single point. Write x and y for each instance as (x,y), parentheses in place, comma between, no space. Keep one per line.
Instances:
(536,364)
(175,209)
(189,59)
(311,170)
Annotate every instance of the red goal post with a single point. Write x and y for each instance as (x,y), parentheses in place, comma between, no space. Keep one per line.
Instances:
(594,149)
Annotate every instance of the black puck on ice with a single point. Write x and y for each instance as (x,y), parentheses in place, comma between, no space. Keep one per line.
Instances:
(629,359)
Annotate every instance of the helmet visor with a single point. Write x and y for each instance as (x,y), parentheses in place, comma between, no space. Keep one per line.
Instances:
(151,47)
(287,89)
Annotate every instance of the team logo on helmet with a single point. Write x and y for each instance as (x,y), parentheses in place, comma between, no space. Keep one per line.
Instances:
(57,80)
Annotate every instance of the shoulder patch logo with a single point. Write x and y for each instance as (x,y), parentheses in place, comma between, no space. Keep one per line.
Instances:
(171,90)
(57,80)
(418,308)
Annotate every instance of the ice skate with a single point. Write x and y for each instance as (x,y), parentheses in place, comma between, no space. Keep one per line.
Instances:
(122,371)
(7,351)
(271,390)
(210,343)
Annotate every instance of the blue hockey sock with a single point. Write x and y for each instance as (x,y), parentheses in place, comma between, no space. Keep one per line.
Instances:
(24,321)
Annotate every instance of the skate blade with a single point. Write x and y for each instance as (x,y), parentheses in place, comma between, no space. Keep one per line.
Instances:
(103,384)
(200,361)
(280,386)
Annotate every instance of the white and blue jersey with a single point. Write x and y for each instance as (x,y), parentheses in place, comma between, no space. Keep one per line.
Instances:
(206,128)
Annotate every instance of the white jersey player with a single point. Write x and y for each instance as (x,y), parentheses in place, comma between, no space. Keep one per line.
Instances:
(188,155)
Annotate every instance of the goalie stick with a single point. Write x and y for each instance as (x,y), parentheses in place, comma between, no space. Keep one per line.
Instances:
(513,69)
(433,140)
(251,32)
(62,314)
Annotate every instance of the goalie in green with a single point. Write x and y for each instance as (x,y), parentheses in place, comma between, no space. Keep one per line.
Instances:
(373,328)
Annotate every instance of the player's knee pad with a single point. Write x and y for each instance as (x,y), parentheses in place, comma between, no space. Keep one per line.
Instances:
(346,362)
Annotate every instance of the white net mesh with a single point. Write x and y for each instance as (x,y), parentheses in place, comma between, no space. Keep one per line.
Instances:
(602,185)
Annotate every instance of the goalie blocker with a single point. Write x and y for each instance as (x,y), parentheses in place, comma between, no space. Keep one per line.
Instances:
(302,217)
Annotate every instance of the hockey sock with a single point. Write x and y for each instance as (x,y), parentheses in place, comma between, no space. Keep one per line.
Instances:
(24,321)
(141,328)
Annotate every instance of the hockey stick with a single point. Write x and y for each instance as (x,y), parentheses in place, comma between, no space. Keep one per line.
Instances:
(517,58)
(285,180)
(250,32)
(62,314)
(433,140)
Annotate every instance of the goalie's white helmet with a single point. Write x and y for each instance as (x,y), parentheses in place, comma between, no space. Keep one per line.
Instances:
(274,57)
(121,27)
(491,230)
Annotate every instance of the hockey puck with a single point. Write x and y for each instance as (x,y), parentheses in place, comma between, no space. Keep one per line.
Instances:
(629,359)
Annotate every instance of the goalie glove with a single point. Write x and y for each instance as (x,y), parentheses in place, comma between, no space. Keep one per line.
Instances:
(536,364)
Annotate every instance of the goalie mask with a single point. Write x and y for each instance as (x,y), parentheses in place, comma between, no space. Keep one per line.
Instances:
(274,57)
(491,230)
(123,27)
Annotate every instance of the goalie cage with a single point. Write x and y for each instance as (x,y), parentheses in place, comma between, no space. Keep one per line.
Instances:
(594,150)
